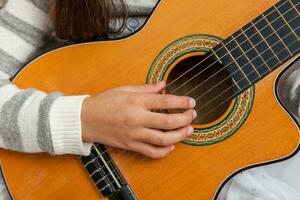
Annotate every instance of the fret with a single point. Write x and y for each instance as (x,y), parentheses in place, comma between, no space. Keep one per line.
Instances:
(216,56)
(288,14)
(263,37)
(246,56)
(271,39)
(251,52)
(235,83)
(241,60)
(291,17)
(257,44)
(295,5)
(237,64)
(295,46)
(271,35)
(231,67)
(282,30)
(295,23)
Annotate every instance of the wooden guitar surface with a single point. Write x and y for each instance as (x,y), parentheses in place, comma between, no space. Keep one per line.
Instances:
(190,172)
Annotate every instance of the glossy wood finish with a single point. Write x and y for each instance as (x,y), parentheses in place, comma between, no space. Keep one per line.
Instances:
(190,172)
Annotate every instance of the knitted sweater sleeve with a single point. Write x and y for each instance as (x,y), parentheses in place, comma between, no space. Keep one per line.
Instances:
(32,120)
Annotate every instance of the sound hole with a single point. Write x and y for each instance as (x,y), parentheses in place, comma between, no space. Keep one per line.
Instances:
(209,83)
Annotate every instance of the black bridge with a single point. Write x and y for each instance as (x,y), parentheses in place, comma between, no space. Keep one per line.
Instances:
(105,174)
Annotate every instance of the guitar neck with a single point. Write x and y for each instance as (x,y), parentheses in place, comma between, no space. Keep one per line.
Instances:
(262,45)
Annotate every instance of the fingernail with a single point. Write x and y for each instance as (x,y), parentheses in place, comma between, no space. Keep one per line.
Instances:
(192,102)
(161,83)
(190,131)
(172,148)
(194,114)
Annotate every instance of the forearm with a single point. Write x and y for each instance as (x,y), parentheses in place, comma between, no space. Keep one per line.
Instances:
(31,120)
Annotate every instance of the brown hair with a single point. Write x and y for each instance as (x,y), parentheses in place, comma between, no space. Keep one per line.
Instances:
(85,20)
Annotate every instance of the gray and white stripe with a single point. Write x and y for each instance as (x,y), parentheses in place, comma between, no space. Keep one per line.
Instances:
(9,129)
(24,125)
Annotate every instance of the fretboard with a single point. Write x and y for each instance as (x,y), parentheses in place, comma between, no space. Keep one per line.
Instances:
(262,45)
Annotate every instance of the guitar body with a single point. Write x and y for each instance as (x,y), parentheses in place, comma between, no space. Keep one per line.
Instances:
(191,171)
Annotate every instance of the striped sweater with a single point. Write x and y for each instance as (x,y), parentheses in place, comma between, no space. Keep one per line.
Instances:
(31,120)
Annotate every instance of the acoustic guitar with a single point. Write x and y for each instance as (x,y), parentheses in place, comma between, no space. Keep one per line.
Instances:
(240,122)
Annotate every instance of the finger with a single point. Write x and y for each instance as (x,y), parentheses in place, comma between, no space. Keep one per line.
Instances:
(169,121)
(146,88)
(161,101)
(169,138)
(151,151)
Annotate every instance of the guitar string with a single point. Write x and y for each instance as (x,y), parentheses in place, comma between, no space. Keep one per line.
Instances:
(241,89)
(284,3)
(108,168)
(145,157)
(201,117)
(114,149)
(243,54)
(118,182)
(102,167)
(107,150)
(92,161)
(130,157)
(239,56)
(107,181)
(230,76)
(243,42)
(210,56)
(248,40)
(134,153)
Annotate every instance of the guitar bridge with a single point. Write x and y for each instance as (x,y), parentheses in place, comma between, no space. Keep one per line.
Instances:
(106,175)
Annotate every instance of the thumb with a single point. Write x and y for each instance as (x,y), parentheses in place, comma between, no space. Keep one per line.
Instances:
(146,88)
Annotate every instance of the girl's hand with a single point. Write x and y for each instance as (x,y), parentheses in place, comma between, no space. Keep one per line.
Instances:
(122,118)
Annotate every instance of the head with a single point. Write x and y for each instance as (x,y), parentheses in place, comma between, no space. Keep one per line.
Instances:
(86,20)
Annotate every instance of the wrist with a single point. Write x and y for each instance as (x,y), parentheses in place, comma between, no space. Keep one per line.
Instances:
(85,120)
